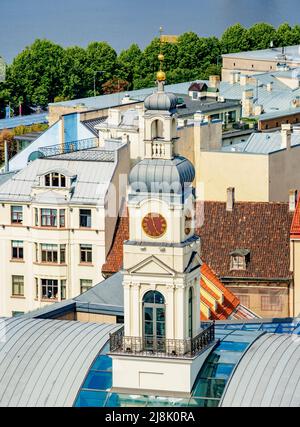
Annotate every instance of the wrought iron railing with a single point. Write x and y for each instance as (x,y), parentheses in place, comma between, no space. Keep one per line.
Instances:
(161,347)
(69,147)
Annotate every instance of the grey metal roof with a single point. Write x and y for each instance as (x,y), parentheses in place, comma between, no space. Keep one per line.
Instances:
(191,106)
(112,100)
(93,173)
(23,120)
(91,123)
(268,375)
(109,292)
(155,175)
(292,53)
(262,143)
(43,362)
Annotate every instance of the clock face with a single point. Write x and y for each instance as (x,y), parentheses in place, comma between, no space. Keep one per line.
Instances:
(154,225)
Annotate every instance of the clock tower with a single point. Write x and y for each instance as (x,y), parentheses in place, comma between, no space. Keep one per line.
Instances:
(162,344)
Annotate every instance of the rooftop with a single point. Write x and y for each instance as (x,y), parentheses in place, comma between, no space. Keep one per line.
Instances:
(23,121)
(292,53)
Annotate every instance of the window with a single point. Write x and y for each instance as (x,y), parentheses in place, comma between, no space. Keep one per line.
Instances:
(18,285)
(36,217)
(85,285)
(17,214)
(86,253)
(195,95)
(271,303)
(239,259)
(49,289)
(63,289)
(154,321)
(85,218)
(62,218)
(62,254)
(17,249)
(48,217)
(49,253)
(244,299)
(36,288)
(55,179)
(238,263)
(17,313)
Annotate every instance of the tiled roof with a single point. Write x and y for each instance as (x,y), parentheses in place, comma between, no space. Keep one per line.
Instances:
(263,228)
(295,228)
(225,303)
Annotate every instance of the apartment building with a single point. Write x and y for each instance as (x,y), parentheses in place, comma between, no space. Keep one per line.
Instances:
(57,219)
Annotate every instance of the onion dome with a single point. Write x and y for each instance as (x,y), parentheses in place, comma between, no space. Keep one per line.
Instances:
(161,101)
(160,175)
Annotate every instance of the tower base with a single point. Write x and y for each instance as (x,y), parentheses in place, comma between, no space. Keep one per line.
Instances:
(162,376)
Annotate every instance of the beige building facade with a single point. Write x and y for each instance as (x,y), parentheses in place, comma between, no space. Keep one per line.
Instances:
(57,224)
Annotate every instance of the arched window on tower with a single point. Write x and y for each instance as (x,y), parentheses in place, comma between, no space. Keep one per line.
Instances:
(154,321)
(157,129)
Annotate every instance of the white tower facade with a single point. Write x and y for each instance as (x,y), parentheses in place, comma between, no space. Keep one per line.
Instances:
(162,346)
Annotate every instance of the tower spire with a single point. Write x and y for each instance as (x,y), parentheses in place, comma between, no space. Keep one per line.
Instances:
(161,75)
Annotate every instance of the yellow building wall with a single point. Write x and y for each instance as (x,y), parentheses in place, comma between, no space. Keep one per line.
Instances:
(248,174)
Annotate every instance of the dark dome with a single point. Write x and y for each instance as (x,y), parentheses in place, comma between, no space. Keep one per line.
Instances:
(158,175)
(161,101)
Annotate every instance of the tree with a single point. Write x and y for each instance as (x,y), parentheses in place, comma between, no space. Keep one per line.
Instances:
(114,85)
(234,39)
(284,35)
(100,57)
(260,36)
(129,60)
(36,74)
(189,51)
(74,78)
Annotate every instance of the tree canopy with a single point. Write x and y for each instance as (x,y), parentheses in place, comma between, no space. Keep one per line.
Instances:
(45,72)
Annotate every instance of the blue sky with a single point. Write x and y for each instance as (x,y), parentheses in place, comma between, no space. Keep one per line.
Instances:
(122,22)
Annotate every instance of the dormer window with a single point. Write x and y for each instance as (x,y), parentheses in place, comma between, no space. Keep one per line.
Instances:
(55,179)
(240,259)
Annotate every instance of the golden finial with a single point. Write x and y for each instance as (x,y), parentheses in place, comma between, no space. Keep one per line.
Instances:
(161,75)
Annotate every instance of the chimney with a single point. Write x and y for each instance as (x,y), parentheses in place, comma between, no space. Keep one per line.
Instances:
(244,80)
(214,81)
(286,136)
(234,77)
(230,199)
(114,117)
(270,86)
(6,159)
(293,197)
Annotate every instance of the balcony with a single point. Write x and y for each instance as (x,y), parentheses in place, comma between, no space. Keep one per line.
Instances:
(155,347)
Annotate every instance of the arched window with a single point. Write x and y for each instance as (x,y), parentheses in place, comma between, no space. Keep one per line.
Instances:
(157,129)
(154,313)
(190,316)
(55,180)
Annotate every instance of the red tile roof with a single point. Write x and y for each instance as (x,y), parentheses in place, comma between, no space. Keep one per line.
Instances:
(230,302)
(295,228)
(262,228)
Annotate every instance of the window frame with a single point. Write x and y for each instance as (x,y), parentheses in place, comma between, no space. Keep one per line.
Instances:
(19,250)
(87,216)
(19,285)
(18,213)
(86,252)
(85,287)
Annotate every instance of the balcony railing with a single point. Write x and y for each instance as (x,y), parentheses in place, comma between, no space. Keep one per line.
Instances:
(69,147)
(161,347)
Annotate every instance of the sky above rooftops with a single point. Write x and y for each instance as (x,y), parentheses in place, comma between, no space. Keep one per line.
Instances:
(119,22)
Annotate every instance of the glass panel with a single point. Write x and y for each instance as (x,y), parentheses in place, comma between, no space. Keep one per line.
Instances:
(232,346)
(159,299)
(149,297)
(149,328)
(217,370)
(88,398)
(102,363)
(148,313)
(160,329)
(160,314)
(209,388)
(98,380)
(204,403)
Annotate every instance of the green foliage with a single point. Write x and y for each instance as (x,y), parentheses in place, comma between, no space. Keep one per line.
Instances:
(45,72)
(234,39)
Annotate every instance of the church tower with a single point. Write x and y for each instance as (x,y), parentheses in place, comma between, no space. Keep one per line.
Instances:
(159,348)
